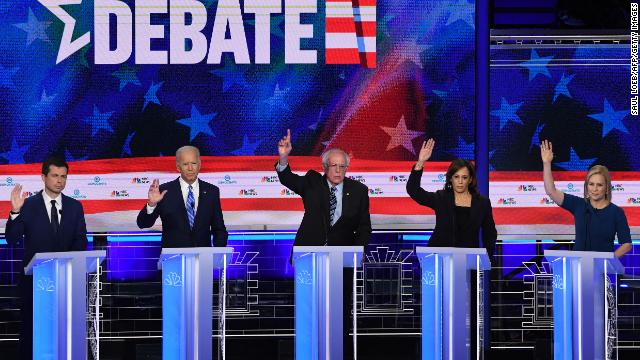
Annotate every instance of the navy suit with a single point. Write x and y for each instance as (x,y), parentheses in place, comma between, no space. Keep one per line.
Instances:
(33,228)
(175,224)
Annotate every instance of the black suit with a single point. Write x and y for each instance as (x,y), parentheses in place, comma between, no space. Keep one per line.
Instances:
(34,229)
(443,203)
(175,224)
(354,225)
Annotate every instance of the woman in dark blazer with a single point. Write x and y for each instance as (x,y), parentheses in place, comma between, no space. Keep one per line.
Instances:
(462,214)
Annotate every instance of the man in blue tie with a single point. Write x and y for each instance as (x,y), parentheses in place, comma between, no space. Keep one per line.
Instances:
(188,207)
(48,221)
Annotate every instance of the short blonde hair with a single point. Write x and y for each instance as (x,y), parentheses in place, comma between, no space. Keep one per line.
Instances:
(601,170)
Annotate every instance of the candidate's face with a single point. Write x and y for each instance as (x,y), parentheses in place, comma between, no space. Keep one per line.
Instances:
(188,164)
(337,168)
(597,187)
(460,180)
(55,180)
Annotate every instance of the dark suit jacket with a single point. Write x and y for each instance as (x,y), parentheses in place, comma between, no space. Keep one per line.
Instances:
(443,203)
(34,227)
(175,225)
(354,225)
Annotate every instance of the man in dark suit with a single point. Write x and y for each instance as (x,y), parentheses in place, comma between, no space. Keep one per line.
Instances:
(189,208)
(336,212)
(45,222)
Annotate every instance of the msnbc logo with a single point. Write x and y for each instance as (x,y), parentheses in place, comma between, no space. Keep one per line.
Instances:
(270,179)
(287,192)
(398,178)
(119,194)
(507,201)
(248,192)
(140,180)
(376,191)
(527,188)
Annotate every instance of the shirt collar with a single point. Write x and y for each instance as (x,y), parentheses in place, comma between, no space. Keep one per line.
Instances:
(185,185)
(48,198)
(338,187)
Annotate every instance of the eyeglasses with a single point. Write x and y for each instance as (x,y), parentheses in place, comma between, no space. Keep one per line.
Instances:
(338,167)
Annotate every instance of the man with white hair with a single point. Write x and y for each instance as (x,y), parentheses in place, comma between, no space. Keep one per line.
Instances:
(336,208)
(189,208)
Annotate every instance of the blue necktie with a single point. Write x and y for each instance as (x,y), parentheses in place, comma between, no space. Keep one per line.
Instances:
(191,206)
(55,223)
(333,201)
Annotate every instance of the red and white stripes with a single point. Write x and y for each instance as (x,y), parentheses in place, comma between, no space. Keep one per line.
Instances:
(351,32)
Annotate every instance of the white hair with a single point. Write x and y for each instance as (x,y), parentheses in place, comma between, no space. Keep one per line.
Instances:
(325,157)
(187,148)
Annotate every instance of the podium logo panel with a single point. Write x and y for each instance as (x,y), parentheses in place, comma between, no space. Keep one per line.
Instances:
(46,284)
(429,278)
(173,279)
(557,282)
(304,278)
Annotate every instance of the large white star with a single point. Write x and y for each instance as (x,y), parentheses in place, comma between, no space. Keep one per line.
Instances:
(401,136)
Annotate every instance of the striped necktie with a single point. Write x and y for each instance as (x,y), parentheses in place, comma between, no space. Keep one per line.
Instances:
(333,201)
(191,206)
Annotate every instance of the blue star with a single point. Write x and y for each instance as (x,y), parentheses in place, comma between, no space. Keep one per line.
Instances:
(575,163)
(151,95)
(248,148)
(16,154)
(231,74)
(46,100)
(127,75)
(35,29)
(537,65)
(535,139)
(440,93)
(279,98)
(462,11)
(491,153)
(99,121)
(611,119)
(69,157)
(507,112)
(561,88)
(126,148)
(314,126)
(198,123)
(463,150)
(6,75)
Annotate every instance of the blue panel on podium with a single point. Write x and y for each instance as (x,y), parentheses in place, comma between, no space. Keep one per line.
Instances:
(173,317)
(45,305)
(187,288)
(60,302)
(580,306)
(445,300)
(318,299)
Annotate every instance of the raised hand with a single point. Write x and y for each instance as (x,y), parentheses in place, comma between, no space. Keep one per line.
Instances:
(426,150)
(17,198)
(546,151)
(155,196)
(284,145)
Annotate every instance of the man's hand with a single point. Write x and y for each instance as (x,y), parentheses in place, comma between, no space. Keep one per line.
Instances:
(155,196)
(546,151)
(284,148)
(425,153)
(17,198)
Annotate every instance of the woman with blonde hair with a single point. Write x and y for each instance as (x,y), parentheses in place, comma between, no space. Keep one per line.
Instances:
(597,219)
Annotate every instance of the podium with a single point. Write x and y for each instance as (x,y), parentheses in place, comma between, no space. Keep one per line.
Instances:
(581,324)
(318,299)
(446,285)
(60,303)
(187,284)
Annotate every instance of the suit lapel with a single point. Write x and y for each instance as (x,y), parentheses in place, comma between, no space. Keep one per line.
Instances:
(325,200)
(202,195)
(64,219)
(42,209)
(346,198)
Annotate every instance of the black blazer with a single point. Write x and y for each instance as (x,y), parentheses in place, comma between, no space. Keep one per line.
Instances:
(175,225)
(443,203)
(34,228)
(354,225)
